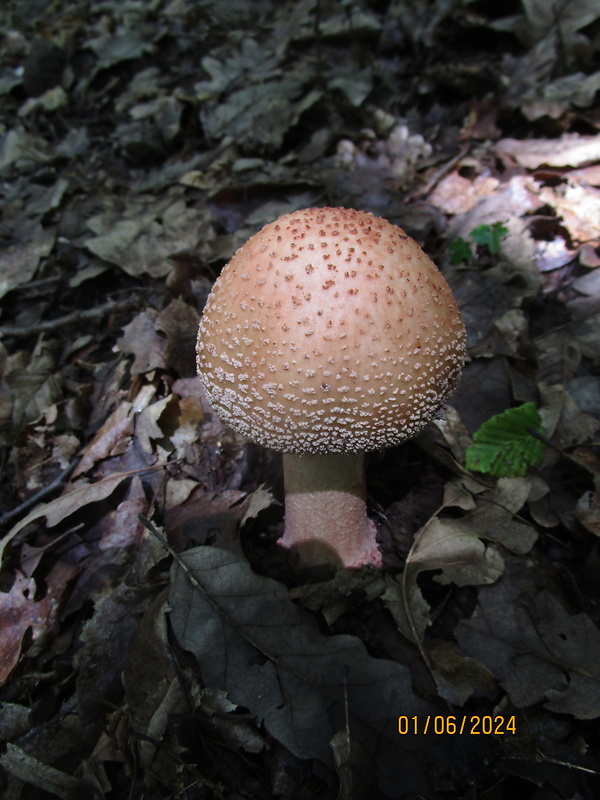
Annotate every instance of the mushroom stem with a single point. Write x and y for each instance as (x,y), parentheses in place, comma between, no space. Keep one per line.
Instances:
(326,512)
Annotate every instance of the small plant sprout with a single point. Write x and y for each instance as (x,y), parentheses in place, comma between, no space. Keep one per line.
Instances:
(488,236)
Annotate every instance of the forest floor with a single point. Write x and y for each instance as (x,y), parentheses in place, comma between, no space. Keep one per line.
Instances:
(154,641)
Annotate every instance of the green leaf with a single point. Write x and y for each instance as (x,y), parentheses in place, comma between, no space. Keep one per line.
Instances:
(489,236)
(459,251)
(504,445)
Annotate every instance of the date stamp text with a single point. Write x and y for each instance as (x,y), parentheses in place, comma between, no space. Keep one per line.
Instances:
(474,725)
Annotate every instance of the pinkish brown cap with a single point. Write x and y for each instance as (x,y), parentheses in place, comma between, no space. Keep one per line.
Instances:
(330,331)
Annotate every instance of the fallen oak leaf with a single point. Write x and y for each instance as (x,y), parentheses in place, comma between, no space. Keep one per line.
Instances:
(141,339)
(533,646)
(250,640)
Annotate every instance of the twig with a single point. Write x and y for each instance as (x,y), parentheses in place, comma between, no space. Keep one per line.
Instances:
(40,283)
(21,331)
(32,501)
(447,167)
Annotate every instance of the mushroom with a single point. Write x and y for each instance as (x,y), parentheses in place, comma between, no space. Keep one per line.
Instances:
(329,333)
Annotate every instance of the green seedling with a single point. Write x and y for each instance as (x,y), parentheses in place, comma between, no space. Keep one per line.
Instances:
(488,236)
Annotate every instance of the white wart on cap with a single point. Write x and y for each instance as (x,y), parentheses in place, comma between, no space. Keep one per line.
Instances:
(330,331)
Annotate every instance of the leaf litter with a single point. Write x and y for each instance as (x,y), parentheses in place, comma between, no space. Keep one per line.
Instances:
(139,148)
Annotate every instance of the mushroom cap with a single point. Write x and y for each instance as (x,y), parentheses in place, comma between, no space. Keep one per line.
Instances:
(330,331)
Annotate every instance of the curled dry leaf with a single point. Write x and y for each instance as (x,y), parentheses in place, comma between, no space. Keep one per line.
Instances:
(452,546)
(458,549)
(70,502)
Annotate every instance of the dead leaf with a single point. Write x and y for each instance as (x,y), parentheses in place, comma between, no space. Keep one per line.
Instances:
(455,194)
(106,641)
(18,613)
(123,530)
(22,257)
(556,97)
(141,339)
(111,438)
(141,236)
(148,428)
(563,422)
(123,45)
(457,677)
(453,547)
(457,549)
(579,207)
(24,149)
(571,150)
(179,322)
(35,384)
(70,502)
(49,779)
(587,510)
(260,499)
(538,651)
(494,517)
(251,641)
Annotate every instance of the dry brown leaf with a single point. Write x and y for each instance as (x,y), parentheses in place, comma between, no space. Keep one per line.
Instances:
(454,547)
(73,500)
(115,434)
(458,677)
(563,422)
(179,321)
(18,613)
(509,200)
(21,259)
(558,96)
(123,529)
(21,612)
(579,207)
(141,339)
(141,236)
(15,761)
(147,423)
(191,413)
(494,517)
(457,195)
(572,150)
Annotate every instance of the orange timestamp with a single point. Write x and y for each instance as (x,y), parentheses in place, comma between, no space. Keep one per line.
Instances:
(474,725)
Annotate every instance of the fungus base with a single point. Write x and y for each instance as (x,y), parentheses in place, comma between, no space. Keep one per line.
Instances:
(325,510)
